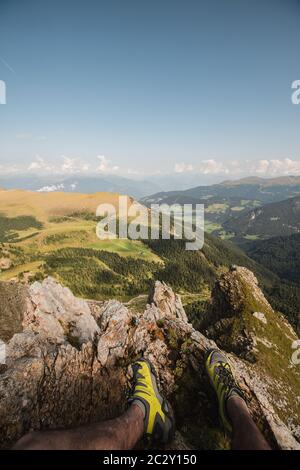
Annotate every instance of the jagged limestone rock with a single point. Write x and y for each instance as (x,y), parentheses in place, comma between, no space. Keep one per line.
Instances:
(59,315)
(53,381)
(167,301)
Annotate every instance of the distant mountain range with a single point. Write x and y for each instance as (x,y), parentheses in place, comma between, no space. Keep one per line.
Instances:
(254,188)
(136,186)
(230,200)
(275,219)
(181,188)
(81,184)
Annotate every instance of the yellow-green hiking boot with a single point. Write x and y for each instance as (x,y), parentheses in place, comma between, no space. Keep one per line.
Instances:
(159,422)
(223,382)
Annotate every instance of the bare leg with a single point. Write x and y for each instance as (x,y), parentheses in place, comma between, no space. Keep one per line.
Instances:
(246,435)
(117,434)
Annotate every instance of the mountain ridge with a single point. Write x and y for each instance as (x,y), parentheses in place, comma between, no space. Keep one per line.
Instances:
(81,184)
(71,365)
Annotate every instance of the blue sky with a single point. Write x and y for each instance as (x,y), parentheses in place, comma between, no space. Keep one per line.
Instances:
(146,86)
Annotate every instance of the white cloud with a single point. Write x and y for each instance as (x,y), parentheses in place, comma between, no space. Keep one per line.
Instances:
(212,167)
(285,166)
(40,164)
(205,167)
(68,166)
(9,169)
(51,188)
(264,167)
(73,165)
(105,165)
(65,166)
(183,167)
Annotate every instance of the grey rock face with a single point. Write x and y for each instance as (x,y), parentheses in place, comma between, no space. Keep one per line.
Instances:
(59,315)
(167,301)
(71,365)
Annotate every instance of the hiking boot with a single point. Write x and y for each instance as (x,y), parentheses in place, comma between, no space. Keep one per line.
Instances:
(159,421)
(223,382)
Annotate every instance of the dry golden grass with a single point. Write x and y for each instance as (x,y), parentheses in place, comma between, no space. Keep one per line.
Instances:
(44,205)
(62,227)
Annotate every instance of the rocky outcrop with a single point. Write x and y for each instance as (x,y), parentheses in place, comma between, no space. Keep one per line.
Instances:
(242,321)
(71,365)
(236,301)
(53,312)
(167,301)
